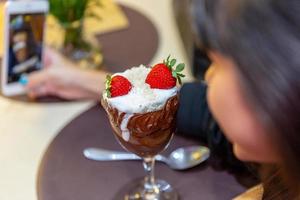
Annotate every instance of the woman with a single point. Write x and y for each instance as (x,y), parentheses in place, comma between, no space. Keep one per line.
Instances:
(253,85)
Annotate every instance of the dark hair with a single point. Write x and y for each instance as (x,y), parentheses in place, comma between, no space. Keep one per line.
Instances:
(30,43)
(262,37)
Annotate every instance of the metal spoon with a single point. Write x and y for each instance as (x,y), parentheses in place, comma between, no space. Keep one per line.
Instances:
(180,159)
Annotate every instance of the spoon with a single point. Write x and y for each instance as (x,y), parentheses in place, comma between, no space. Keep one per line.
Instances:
(180,159)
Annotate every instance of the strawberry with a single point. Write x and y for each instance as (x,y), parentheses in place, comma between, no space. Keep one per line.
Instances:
(163,76)
(117,86)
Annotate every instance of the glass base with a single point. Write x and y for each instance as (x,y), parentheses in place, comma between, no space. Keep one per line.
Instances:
(135,191)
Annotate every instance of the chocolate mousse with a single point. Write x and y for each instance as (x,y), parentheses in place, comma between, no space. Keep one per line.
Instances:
(145,134)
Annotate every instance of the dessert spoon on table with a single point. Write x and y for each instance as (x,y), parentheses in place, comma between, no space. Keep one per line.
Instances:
(180,159)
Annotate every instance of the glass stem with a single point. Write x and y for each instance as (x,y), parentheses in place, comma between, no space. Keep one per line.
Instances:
(149,184)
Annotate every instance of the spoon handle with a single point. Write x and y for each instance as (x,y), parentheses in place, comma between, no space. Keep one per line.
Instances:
(105,155)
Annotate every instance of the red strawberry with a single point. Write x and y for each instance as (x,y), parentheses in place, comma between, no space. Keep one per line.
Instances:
(163,76)
(117,86)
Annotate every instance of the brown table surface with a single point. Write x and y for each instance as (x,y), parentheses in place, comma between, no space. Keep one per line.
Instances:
(66,175)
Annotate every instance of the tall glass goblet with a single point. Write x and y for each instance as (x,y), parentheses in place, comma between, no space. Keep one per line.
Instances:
(146,135)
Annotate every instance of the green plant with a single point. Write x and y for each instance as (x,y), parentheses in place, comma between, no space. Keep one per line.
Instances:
(70,15)
(70,11)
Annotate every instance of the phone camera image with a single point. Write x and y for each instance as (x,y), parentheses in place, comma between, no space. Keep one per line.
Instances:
(25,44)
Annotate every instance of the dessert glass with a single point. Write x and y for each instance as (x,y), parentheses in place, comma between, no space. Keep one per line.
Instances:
(146,135)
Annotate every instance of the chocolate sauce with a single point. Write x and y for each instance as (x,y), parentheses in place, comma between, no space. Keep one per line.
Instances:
(149,133)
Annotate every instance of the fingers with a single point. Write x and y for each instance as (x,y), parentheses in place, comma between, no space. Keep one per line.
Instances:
(38,84)
(38,78)
(38,92)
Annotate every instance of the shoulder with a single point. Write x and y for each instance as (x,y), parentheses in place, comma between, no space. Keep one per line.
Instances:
(254,193)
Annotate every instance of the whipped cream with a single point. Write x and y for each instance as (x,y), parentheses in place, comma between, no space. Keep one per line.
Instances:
(141,98)
(123,127)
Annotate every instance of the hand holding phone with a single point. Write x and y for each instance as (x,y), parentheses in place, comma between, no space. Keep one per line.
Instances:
(23,42)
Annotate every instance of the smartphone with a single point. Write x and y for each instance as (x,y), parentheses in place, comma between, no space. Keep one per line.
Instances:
(24,28)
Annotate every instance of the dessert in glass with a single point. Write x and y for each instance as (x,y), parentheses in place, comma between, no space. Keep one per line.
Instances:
(141,104)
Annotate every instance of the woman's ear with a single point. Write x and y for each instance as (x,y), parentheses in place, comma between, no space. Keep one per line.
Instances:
(210,71)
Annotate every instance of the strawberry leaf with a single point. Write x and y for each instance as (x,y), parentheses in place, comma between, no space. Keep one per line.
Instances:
(108,77)
(108,85)
(173,62)
(108,93)
(168,58)
(180,67)
(179,80)
(170,63)
(174,74)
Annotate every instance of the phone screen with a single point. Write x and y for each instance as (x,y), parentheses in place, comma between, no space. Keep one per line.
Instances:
(25,44)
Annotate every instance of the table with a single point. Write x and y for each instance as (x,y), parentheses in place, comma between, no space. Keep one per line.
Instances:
(26,129)
(65,174)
